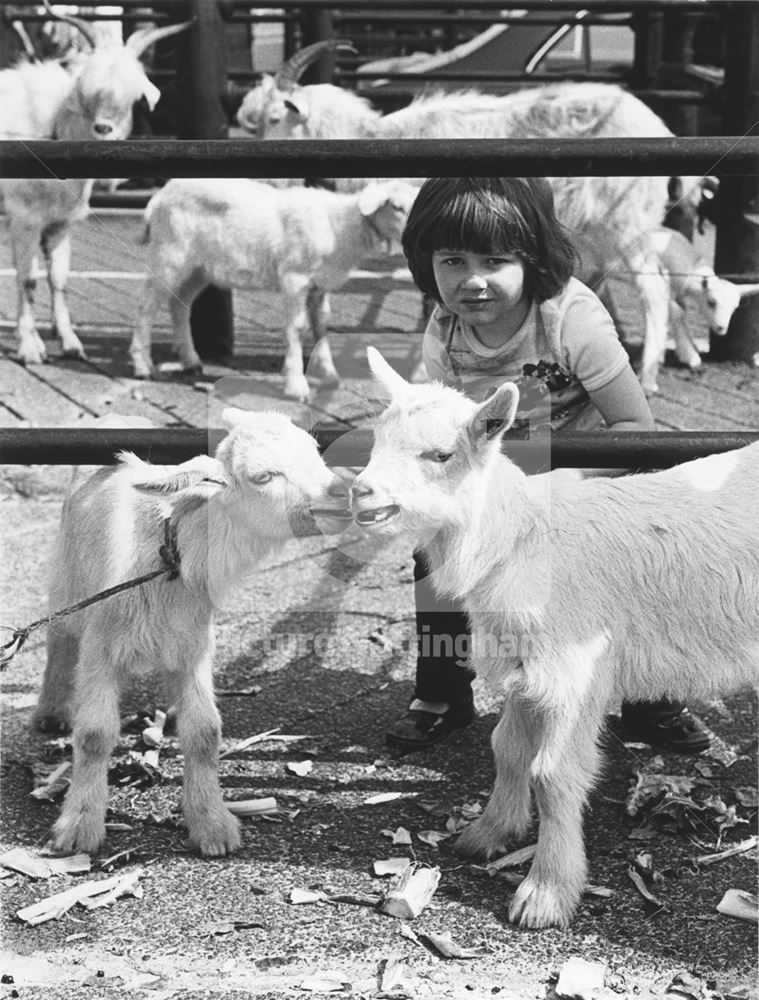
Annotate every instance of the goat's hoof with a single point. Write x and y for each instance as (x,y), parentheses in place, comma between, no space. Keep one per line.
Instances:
(77,353)
(535,905)
(31,358)
(479,840)
(217,836)
(81,833)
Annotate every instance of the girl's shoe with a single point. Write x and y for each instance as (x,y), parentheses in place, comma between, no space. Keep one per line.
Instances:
(683,732)
(418,729)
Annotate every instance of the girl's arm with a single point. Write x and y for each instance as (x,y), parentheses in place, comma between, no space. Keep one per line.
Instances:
(623,404)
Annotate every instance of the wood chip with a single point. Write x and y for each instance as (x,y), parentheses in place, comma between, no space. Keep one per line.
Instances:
(580,979)
(33,866)
(253,807)
(55,784)
(89,894)
(445,946)
(513,859)
(413,891)
(391,866)
(711,859)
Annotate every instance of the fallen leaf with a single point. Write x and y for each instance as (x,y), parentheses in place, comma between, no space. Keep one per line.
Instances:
(400,837)
(433,837)
(445,946)
(357,898)
(299,896)
(513,859)
(240,692)
(741,904)
(33,866)
(580,979)
(301,768)
(643,889)
(322,984)
(391,866)
(710,859)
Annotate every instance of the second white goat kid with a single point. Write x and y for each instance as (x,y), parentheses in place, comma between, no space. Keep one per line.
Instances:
(579,593)
(89,96)
(302,242)
(698,297)
(267,483)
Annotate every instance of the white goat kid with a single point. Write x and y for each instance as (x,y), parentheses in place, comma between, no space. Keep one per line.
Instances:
(90,96)
(266,483)
(302,242)
(699,299)
(637,587)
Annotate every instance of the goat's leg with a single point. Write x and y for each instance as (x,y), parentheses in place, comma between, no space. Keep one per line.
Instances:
(653,288)
(295,296)
(56,245)
(506,817)
(563,772)
(180,310)
(81,824)
(321,364)
(212,827)
(140,348)
(54,709)
(685,349)
(24,240)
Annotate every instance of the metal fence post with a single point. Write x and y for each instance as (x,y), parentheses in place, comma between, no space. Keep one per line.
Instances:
(737,249)
(202,77)
(317,26)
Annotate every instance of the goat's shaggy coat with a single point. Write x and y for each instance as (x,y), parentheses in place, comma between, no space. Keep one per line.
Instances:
(261,488)
(301,242)
(578,592)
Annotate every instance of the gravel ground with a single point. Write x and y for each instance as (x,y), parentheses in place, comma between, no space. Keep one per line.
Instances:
(226,928)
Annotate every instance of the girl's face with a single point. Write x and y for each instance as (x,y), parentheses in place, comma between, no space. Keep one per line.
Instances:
(484,290)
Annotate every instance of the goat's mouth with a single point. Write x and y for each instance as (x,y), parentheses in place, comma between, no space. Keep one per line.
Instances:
(378,515)
(331,520)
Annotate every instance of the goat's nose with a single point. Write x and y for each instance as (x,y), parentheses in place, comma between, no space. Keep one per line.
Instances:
(339,489)
(360,490)
(103,128)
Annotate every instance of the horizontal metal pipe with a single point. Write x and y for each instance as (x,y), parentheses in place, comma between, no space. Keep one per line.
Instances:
(736,155)
(400,5)
(99,446)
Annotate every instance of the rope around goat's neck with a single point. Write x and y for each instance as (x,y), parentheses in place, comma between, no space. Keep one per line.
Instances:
(170,558)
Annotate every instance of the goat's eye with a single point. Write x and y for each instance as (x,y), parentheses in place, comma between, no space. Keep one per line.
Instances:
(437,456)
(262,478)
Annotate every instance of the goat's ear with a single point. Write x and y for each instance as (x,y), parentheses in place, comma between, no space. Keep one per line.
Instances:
(233,416)
(151,93)
(298,107)
(496,415)
(388,378)
(203,473)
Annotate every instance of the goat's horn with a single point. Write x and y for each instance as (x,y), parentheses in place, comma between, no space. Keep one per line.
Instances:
(289,73)
(746,290)
(75,22)
(140,41)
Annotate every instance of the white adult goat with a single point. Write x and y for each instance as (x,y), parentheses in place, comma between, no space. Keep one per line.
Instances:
(302,242)
(615,214)
(89,96)
(266,483)
(636,587)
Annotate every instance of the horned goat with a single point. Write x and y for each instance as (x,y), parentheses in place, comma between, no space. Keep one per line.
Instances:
(580,593)
(89,96)
(302,242)
(266,483)
(617,214)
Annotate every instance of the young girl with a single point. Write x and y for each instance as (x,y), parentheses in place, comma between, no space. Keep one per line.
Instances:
(492,254)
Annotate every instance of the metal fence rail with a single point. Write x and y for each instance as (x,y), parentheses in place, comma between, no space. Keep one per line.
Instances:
(46,159)
(99,446)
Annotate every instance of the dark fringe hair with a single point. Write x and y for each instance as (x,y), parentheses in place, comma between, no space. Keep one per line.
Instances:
(489,215)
